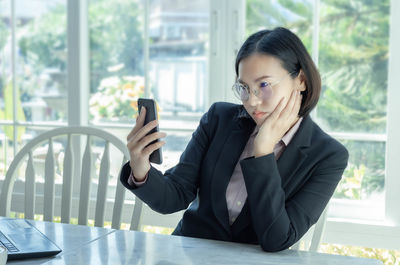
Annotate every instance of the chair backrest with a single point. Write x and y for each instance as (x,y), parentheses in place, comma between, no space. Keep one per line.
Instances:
(312,238)
(68,170)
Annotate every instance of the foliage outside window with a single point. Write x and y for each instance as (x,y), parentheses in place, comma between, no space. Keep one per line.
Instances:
(388,257)
(116,44)
(116,98)
(42,62)
(116,59)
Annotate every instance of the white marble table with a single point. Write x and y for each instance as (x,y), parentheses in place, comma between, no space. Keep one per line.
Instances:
(100,246)
(130,247)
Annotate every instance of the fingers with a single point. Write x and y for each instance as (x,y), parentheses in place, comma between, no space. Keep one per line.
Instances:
(289,108)
(145,141)
(141,149)
(297,105)
(278,109)
(142,132)
(151,148)
(139,123)
(293,103)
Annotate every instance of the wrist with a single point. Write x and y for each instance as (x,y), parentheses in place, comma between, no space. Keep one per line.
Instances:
(138,179)
(135,183)
(139,173)
(264,152)
(262,148)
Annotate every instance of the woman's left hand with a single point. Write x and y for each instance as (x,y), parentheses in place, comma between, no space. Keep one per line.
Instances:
(277,124)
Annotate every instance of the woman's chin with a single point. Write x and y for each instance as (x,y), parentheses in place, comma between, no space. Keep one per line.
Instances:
(259,119)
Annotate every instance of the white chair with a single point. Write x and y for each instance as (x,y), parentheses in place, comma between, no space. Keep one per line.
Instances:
(67,177)
(315,233)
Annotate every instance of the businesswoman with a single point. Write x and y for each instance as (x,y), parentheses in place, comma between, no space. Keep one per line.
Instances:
(261,172)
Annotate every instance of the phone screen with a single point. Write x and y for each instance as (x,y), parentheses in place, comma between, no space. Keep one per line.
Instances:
(151,114)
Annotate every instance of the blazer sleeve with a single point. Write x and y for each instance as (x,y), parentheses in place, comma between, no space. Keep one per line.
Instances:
(177,187)
(279,223)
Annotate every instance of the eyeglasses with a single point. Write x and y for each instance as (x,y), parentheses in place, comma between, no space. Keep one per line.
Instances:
(242,91)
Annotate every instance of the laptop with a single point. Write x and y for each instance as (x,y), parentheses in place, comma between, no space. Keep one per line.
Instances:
(23,240)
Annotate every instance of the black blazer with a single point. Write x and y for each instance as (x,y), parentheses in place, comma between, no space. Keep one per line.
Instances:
(285,197)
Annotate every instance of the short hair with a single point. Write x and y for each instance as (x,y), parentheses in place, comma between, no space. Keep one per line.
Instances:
(288,48)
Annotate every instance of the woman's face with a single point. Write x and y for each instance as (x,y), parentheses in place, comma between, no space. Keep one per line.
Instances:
(265,73)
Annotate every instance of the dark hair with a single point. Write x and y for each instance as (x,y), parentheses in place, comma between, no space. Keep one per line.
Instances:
(286,46)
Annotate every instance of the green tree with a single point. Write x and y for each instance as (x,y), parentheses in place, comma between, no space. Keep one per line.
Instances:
(43,41)
(115,39)
(295,15)
(353,56)
(353,61)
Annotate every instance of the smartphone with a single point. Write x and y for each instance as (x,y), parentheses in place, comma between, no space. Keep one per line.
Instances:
(151,114)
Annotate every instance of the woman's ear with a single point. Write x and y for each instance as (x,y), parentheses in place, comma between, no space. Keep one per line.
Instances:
(301,79)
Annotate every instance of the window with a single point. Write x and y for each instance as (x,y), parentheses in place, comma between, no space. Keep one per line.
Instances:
(116,31)
(354,94)
(178,56)
(41,60)
(33,57)
(169,49)
(182,53)
(155,49)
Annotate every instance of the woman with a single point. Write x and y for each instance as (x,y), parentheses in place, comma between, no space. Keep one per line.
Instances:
(261,172)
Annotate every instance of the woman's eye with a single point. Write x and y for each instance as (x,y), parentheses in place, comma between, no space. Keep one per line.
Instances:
(264,84)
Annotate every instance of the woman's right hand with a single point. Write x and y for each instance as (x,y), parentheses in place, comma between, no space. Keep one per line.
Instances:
(139,148)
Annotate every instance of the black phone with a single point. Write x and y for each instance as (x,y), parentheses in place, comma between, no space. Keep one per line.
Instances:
(151,114)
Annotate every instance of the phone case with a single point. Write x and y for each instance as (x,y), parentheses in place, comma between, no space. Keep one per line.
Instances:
(151,114)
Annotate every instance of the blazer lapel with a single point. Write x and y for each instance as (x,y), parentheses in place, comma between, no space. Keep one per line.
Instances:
(231,150)
(294,154)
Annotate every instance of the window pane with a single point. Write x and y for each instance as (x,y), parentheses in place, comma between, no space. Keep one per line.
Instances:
(364,177)
(294,15)
(179,34)
(116,59)
(41,60)
(5,62)
(353,58)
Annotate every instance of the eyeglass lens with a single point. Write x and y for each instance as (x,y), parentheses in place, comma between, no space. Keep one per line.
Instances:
(263,93)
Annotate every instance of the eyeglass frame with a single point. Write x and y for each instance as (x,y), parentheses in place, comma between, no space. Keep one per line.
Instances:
(245,87)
